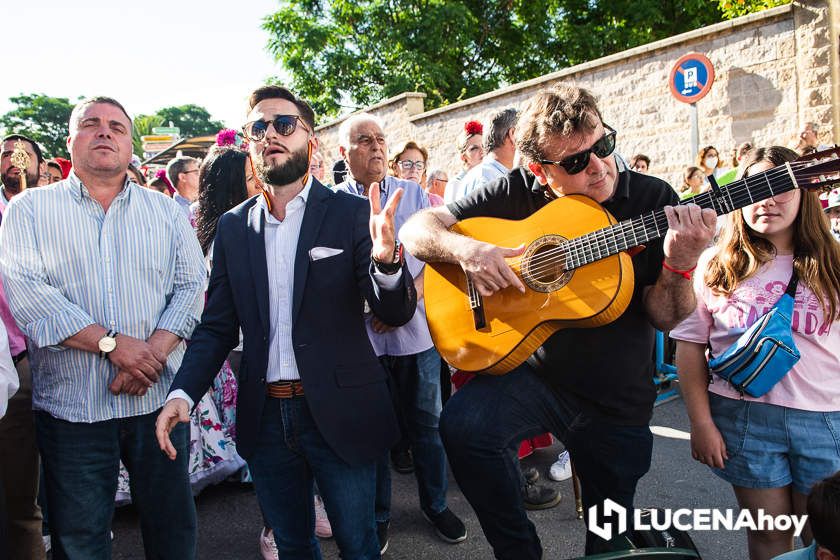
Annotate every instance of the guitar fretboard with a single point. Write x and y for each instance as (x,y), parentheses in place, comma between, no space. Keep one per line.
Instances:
(626,234)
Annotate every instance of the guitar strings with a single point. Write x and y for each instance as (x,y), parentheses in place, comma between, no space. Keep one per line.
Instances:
(581,246)
(581,249)
(736,195)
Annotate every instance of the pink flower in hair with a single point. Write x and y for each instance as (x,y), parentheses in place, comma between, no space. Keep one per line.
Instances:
(161,174)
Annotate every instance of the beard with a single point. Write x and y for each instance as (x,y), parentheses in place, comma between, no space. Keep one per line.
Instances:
(12,183)
(284,173)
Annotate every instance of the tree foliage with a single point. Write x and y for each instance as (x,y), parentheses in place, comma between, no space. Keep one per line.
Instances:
(736,8)
(42,118)
(358,52)
(193,120)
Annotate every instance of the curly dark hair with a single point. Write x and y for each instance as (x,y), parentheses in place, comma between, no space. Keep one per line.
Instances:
(221,186)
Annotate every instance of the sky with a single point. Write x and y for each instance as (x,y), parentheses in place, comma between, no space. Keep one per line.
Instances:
(147,54)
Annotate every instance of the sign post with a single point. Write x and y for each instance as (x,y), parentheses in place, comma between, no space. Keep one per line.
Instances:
(691,79)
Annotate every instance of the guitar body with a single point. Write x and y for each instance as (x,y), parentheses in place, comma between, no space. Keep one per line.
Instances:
(509,326)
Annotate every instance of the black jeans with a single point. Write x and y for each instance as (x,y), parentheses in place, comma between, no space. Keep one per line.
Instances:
(483,424)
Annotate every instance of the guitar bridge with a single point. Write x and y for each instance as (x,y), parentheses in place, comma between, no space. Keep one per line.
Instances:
(476,304)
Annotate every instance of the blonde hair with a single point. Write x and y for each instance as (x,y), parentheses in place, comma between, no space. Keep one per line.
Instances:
(741,252)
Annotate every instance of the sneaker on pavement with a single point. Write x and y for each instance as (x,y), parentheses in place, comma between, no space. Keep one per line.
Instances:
(531,474)
(403,462)
(323,529)
(449,528)
(268,548)
(561,469)
(538,496)
(382,535)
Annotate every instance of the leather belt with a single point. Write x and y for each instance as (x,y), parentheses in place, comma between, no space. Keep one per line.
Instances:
(20,357)
(284,389)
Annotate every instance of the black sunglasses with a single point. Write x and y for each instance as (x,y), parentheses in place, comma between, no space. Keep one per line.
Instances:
(577,162)
(284,125)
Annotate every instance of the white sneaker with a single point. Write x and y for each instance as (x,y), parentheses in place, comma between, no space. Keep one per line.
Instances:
(323,529)
(561,469)
(268,548)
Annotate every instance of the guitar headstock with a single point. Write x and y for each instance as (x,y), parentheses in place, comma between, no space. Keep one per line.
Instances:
(818,171)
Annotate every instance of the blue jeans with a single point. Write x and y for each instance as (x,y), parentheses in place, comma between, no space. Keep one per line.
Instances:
(289,453)
(773,446)
(415,387)
(81,464)
(482,426)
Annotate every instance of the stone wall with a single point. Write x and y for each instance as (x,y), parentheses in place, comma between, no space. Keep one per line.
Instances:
(775,70)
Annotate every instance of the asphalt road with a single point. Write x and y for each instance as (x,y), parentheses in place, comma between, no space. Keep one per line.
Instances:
(229,520)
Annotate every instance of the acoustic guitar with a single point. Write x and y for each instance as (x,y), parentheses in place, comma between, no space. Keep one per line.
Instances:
(576,270)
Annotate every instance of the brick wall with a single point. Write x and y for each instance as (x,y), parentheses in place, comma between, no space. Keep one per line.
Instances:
(774,71)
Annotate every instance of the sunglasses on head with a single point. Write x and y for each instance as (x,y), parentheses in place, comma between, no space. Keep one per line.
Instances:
(284,125)
(576,163)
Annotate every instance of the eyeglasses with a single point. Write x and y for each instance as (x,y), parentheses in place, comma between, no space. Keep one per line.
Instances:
(578,162)
(284,125)
(407,164)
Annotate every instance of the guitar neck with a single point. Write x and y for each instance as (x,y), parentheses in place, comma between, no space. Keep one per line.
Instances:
(626,234)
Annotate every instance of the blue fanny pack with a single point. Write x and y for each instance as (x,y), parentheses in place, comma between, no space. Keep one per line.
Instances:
(764,353)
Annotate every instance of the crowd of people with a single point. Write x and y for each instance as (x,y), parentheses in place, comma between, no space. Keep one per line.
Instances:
(246,315)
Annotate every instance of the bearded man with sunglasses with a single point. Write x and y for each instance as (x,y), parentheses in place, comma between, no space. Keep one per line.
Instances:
(592,388)
(293,267)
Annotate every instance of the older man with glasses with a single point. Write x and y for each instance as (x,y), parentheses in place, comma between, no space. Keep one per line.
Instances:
(408,352)
(591,388)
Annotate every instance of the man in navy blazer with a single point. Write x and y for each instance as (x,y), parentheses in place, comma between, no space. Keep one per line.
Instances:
(294,269)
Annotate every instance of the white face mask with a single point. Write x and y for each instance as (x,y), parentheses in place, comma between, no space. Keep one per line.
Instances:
(711,162)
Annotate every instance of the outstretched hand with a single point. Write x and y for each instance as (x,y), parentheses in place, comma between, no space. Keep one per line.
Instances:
(382,232)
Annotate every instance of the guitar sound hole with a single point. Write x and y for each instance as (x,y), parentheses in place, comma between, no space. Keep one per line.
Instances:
(546,266)
(543,264)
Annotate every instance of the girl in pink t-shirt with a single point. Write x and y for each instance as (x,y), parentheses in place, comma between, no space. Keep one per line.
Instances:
(771,449)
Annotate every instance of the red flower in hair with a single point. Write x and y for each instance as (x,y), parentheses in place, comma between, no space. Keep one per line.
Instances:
(473,127)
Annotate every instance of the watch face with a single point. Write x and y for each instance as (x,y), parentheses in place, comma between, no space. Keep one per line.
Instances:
(107,344)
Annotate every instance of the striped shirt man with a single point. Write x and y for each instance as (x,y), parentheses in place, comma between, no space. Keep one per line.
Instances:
(68,264)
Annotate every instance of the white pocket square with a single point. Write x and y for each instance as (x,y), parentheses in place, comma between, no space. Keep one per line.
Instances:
(318,253)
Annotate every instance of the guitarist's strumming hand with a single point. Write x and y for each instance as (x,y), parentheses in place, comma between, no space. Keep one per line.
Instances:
(382,224)
(486,266)
(690,230)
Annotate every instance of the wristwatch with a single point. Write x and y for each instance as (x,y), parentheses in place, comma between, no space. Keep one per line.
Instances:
(108,343)
(396,262)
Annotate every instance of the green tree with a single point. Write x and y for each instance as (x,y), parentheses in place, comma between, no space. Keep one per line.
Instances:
(193,120)
(362,51)
(735,8)
(42,118)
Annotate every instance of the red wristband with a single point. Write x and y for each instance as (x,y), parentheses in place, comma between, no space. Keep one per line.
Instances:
(684,273)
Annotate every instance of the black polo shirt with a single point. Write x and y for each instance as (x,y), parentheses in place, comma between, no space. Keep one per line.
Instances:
(607,370)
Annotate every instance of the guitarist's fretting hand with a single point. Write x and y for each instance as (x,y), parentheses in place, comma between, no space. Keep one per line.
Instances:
(382,224)
(485,265)
(690,230)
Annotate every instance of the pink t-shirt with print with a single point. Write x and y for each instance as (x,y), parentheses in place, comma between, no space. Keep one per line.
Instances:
(814,382)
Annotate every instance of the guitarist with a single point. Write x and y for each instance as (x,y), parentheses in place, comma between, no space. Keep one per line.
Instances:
(592,388)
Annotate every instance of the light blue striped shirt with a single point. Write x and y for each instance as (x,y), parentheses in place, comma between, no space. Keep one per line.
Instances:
(67,264)
(413,337)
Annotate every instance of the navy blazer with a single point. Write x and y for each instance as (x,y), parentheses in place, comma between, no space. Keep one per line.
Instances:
(343,381)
